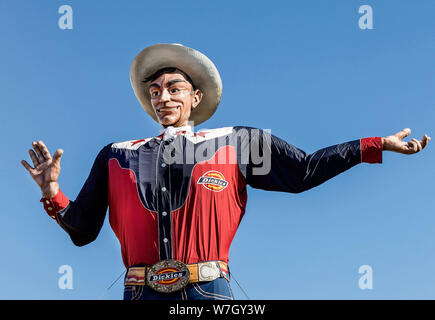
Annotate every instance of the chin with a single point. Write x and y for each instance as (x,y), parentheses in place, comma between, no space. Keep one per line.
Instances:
(168,122)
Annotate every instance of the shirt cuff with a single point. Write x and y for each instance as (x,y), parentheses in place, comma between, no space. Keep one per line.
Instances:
(371,150)
(55,204)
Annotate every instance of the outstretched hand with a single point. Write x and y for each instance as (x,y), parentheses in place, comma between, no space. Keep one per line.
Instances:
(46,168)
(395,143)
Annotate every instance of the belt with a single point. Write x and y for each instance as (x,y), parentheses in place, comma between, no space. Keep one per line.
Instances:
(201,271)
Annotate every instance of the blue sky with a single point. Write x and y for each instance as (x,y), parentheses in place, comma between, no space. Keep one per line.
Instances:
(303,69)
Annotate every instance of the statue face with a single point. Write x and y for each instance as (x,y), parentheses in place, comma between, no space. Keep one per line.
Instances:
(173,99)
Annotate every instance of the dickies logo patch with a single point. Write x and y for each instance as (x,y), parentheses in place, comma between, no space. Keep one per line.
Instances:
(213,181)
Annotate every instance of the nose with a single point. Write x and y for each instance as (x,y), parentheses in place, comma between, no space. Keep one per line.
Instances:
(165,96)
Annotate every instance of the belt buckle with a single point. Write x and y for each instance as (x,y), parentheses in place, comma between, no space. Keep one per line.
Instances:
(208,271)
(167,276)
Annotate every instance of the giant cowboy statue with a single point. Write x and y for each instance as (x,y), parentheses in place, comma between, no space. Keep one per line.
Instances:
(176,200)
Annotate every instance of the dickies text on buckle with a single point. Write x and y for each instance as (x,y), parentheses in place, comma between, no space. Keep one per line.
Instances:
(167,276)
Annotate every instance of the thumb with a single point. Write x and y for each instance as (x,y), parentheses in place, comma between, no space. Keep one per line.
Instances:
(57,155)
(404,133)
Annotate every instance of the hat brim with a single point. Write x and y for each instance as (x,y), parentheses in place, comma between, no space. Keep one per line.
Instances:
(199,67)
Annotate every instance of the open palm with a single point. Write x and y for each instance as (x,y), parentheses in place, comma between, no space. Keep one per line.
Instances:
(395,143)
(46,169)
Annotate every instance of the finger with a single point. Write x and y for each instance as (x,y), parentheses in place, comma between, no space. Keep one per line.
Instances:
(57,155)
(38,151)
(412,146)
(404,133)
(33,157)
(27,166)
(425,140)
(44,150)
(418,143)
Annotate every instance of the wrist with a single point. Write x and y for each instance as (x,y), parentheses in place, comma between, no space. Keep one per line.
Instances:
(50,190)
(386,144)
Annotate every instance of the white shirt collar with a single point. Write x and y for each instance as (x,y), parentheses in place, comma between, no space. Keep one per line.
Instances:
(171,132)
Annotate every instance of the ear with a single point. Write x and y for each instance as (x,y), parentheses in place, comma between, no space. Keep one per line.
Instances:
(197,97)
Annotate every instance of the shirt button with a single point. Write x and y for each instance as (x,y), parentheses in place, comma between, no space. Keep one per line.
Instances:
(50,208)
(47,201)
(163,165)
(165,240)
(164,213)
(163,189)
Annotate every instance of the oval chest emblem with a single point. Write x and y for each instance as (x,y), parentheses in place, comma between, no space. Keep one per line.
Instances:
(213,181)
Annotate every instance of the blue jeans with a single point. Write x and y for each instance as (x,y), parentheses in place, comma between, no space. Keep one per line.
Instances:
(218,289)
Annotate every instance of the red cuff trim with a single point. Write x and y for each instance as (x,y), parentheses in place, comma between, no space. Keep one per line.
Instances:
(55,204)
(371,150)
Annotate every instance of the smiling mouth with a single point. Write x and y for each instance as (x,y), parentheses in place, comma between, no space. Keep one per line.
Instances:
(163,109)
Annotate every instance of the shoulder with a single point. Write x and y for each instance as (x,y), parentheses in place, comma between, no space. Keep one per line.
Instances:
(213,133)
(251,132)
(236,131)
(129,144)
(247,129)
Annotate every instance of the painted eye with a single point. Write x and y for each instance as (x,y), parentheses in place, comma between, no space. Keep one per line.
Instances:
(154,94)
(174,90)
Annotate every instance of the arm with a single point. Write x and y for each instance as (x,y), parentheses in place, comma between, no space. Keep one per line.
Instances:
(83,218)
(292,170)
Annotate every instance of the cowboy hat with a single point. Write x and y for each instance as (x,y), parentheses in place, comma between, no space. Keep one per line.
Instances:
(196,65)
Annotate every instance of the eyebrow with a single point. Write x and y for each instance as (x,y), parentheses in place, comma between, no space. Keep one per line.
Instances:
(170,83)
